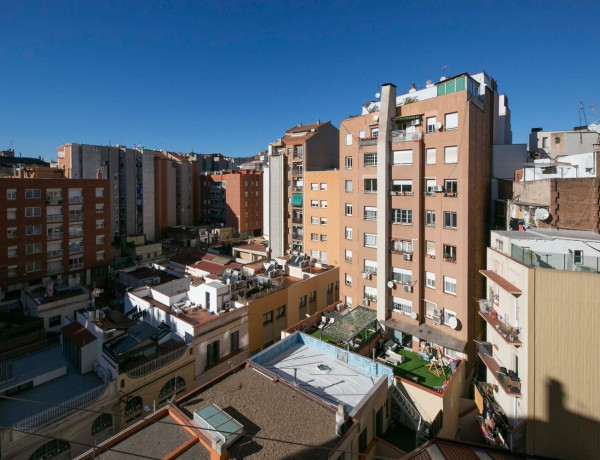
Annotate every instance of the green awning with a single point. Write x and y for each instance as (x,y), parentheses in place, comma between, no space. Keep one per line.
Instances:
(408,118)
(297,199)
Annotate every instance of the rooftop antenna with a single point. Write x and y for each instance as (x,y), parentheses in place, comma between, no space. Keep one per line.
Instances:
(444,68)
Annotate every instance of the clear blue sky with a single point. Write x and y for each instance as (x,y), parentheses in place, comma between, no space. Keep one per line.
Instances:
(229,76)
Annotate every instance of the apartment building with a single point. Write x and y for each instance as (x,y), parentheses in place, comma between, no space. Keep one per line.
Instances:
(415,179)
(214,162)
(555,144)
(57,228)
(540,308)
(233,199)
(304,148)
(321,225)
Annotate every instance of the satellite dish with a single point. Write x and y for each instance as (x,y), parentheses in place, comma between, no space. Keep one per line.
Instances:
(375,117)
(594,127)
(438,126)
(390,284)
(413,315)
(541,214)
(452,322)
(377,95)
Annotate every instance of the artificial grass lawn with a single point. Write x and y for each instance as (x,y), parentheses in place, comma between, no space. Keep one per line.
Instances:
(415,366)
(325,337)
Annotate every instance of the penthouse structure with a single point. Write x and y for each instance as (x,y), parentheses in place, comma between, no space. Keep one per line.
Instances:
(52,228)
(304,148)
(415,180)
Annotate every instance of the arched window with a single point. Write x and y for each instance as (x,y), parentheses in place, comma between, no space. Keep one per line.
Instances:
(170,388)
(103,422)
(133,408)
(51,449)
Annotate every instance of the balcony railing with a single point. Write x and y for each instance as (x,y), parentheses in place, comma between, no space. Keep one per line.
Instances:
(297,236)
(155,364)
(556,261)
(297,172)
(49,416)
(75,217)
(75,249)
(54,218)
(297,156)
(508,380)
(297,189)
(53,199)
(509,333)
(75,232)
(52,270)
(75,199)
(402,136)
(367,141)
(370,215)
(401,193)
(54,253)
(297,220)
(55,235)
(76,266)
(30,349)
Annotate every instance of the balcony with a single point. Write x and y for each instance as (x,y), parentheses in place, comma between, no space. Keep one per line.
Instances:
(401,193)
(76,266)
(297,220)
(55,235)
(158,362)
(75,217)
(508,380)
(298,155)
(75,199)
(370,215)
(297,236)
(54,253)
(297,171)
(510,334)
(75,249)
(403,136)
(297,188)
(54,218)
(78,232)
(52,270)
(365,141)
(54,199)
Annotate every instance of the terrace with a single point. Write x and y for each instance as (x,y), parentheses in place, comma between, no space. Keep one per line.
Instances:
(422,371)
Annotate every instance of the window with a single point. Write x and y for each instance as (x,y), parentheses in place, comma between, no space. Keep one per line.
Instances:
(302,301)
(11,232)
(370,293)
(401,275)
(430,156)
(499,245)
(429,218)
(33,230)
(268,317)
(448,315)
(280,312)
(315,254)
(12,270)
(362,441)
(12,252)
(314,220)
(100,224)
(370,185)
(430,280)
(348,209)
(402,157)
(323,220)
(450,154)
(370,240)
(323,238)
(348,138)
(101,423)
(403,187)
(431,124)
(99,193)
(449,253)
(430,308)
(100,239)
(404,246)
(370,213)
(578,257)
(370,159)
(348,162)
(212,353)
(99,208)
(403,306)
(348,255)
(374,132)
(451,121)
(100,255)
(451,187)
(173,386)
(33,248)
(557,140)
(348,186)
(361,134)
(11,213)
(430,249)
(314,203)
(33,193)
(51,449)
(234,340)
(348,232)
(449,285)
(449,219)
(402,216)
(33,212)
(11,194)
(324,203)
(323,186)
(348,279)
(370,266)
(33,266)
(430,186)
(314,237)
(544,142)
(314,186)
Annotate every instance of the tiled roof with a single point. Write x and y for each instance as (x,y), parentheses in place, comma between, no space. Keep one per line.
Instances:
(77,334)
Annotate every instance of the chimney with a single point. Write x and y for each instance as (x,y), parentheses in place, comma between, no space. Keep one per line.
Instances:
(413,88)
(98,174)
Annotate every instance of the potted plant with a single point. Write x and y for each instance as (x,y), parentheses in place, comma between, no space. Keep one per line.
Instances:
(493,313)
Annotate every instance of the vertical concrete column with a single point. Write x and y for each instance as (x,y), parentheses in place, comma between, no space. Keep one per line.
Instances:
(387,109)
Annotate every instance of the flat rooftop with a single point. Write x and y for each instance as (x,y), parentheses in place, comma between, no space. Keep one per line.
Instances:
(142,273)
(267,409)
(548,234)
(38,293)
(325,371)
(55,391)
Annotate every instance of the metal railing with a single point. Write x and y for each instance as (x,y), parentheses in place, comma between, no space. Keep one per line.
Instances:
(75,249)
(54,217)
(55,252)
(76,199)
(401,136)
(297,172)
(75,216)
(76,266)
(30,349)
(157,363)
(55,235)
(370,141)
(555,261)
(48,416)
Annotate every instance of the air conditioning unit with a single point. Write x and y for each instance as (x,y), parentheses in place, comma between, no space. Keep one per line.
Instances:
(407,256)
(437,320)
(408,288)
(437,312)
(437,188)
(366,275)
(416,122)
(366,302)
